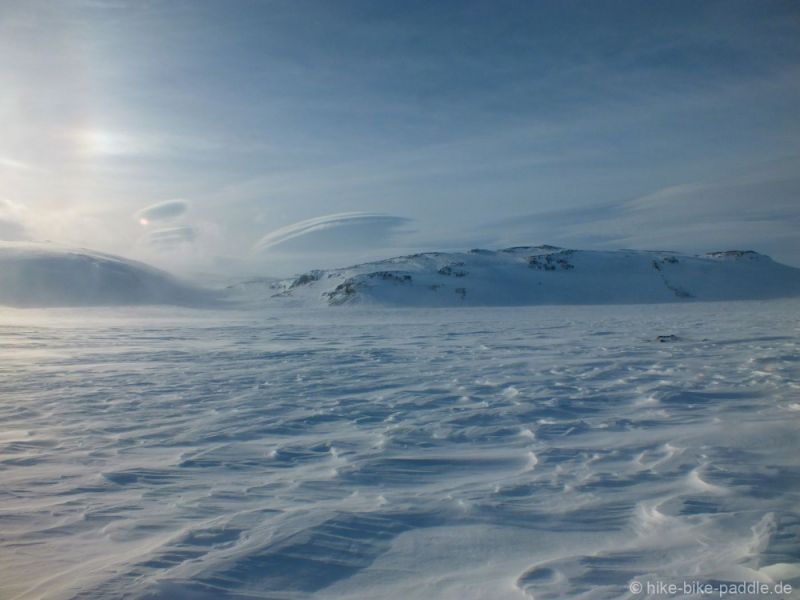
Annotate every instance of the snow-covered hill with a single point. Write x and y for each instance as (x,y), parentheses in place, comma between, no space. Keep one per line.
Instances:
(42,275)
(540,275)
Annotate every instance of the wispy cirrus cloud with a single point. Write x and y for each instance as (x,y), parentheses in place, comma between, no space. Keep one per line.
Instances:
(17,165)
(756,210)
(171,236)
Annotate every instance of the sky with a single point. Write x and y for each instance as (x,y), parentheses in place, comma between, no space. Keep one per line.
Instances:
(224,138)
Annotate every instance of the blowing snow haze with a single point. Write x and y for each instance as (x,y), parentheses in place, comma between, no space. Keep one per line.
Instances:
(247,130)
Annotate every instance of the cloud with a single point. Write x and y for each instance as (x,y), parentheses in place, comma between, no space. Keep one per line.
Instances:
(10,163)
(333,232)
(163,211)
(12,225)
(171,236)
(756,210)
(12,231)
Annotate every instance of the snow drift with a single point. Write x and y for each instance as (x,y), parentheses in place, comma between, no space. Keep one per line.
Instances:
(47,275)
(541,275)
(532,452)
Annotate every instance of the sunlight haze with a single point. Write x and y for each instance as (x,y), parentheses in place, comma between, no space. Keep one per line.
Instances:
(449,125)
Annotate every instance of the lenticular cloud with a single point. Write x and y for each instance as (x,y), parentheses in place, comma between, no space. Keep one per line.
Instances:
(171,236)
(163,211)
(352,225)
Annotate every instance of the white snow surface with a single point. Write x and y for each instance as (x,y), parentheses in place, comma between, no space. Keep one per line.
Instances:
(530,275)
(525,452)
(43,274)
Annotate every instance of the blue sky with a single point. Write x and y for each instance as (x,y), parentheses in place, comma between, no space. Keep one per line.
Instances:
(340,131)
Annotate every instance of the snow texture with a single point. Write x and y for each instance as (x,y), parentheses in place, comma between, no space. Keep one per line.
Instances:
(497,453)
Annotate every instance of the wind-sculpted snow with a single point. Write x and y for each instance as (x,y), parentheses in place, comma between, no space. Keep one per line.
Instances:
(528,275)
(541,452)
(41,275)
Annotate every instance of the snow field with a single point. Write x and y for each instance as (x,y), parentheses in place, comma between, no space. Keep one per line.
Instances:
(542,452)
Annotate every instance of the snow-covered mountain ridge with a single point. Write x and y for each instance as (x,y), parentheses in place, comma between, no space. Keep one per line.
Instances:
(41,275)
(526,275)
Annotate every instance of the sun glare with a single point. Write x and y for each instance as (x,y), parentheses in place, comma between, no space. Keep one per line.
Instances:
(98,142)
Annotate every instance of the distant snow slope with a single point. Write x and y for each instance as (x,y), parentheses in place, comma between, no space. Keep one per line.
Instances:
(41,275)
(541,275)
